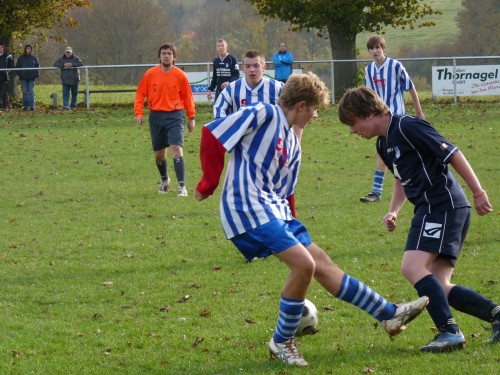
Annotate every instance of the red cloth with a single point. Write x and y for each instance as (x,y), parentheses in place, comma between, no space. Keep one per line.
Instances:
(291,201)
(212,162)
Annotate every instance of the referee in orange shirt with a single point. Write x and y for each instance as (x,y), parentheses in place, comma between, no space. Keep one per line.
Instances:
(169,96)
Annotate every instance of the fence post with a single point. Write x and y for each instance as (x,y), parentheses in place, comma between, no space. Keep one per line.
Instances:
(87,93)
(208,80)
(54,98)
(455,81)
(332,80)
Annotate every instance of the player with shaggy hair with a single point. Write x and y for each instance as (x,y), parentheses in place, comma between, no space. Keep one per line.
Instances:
(263,168)
(418,156)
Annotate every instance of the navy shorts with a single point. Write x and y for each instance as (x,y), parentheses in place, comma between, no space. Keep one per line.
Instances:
(442,233)
(271,238)
(166,128)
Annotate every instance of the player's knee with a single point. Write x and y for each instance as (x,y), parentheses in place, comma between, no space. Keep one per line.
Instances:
(307,268)
(407,270)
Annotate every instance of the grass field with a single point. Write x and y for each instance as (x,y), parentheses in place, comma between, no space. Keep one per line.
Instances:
(103,275)
(445,30)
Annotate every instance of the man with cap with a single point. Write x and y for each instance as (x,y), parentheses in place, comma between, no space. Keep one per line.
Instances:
(70,76)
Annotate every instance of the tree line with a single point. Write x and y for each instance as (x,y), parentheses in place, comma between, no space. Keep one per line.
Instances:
(129,32)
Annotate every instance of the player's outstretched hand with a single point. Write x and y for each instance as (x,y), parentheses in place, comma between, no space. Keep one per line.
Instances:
(482,204)
(390,221)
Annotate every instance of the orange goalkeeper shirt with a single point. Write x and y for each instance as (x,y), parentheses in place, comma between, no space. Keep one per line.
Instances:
(166,92)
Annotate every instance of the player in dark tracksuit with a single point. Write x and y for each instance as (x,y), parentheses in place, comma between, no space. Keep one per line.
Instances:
(6,61)
(418,156)
(225,70)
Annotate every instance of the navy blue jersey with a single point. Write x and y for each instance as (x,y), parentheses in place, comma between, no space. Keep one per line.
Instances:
(418,155)
(224,70)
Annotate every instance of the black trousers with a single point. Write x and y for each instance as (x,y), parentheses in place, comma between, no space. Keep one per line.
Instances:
(4,94)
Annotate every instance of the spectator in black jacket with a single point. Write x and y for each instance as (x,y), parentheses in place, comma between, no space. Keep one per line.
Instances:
(70,76)
(225,70)
(27,77)
(6,61)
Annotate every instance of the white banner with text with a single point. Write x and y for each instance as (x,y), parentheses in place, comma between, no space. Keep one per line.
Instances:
(471,80)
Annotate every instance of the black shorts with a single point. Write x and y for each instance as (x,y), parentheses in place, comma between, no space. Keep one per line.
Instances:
(442,233)
(166,128)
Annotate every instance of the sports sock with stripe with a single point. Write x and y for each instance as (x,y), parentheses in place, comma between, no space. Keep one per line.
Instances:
(162,168)
(180,170)
(288,319)
(378,182)
(362,296)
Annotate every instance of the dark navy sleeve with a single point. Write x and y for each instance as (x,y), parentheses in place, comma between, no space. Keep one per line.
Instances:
(235,72)
(213,83)
(381,146)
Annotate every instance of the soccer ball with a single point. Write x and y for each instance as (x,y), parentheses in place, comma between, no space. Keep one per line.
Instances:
(308,324)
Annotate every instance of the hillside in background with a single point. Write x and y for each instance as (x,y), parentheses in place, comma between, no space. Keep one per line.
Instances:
(446,30)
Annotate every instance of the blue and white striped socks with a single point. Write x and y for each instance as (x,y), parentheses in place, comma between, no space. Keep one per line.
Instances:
(288,319)
(360,295)
(378,182)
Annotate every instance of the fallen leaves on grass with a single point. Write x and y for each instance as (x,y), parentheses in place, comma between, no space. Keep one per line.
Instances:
(183,298)
(17,353)
(197,341)
(205,313)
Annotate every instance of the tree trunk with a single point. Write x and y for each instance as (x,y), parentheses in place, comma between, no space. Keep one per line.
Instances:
(343,48)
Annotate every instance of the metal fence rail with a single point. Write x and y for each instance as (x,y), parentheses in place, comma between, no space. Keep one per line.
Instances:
(325,69)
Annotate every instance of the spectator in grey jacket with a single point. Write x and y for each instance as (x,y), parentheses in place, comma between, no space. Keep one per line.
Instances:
(70,76)
(27,77)
(6,61)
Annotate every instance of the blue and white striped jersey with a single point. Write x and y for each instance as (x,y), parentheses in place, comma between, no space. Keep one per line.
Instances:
(263,167)
(239,94)
(389,80)
(418,155)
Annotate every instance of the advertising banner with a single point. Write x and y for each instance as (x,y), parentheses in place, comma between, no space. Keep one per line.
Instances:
(471,80)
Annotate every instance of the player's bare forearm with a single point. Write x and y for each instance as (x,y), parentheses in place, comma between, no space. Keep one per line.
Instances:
(463,168)
(416,102)
(398,199)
